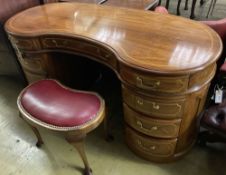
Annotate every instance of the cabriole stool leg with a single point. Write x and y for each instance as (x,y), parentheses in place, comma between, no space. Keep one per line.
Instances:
(40,141)
(36,132)
(79,145)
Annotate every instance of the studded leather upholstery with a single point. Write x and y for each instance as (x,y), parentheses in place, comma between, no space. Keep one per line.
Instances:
(50,102)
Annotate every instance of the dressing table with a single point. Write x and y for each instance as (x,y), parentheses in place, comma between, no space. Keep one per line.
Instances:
(165,64)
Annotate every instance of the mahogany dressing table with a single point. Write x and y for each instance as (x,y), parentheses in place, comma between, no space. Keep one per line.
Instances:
(165,64)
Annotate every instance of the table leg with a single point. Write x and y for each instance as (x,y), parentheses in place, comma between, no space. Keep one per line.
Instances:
(202,2)
(211,6)
(193,9)
(160,1)
(167,4)
(186,5)
(178,7)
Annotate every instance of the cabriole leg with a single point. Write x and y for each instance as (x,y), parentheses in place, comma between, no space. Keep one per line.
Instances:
(79,145)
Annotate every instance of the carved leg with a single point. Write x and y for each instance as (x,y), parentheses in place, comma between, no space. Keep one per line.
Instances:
(40,141)
(36,132)
(79,145)
(193,9)
(178,7)
(186,5)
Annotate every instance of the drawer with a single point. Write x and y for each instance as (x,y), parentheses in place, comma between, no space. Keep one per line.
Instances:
(149,146)
(82,47)
(151,127)
(153,82)
(160,108)
(25,43)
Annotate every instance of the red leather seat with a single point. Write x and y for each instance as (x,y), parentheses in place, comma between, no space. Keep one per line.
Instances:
(49,104)
(54,104)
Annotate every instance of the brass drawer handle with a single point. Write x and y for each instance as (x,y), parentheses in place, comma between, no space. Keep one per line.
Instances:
(140,101)
(140,124)
(153,86)
(155,106)
(147,148)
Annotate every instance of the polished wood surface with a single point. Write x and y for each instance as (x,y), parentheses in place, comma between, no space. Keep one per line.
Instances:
(165,64)
(136,4)
(159,45)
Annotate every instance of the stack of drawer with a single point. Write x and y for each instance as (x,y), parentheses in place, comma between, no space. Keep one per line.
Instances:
(152,124)
(159,115)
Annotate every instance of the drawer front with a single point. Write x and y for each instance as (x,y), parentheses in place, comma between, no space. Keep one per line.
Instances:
(154,83)
(148,145)
(160,108)
(81,46)
(151,127)
(25,43)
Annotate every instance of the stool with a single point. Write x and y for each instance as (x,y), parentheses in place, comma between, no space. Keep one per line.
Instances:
(74,113)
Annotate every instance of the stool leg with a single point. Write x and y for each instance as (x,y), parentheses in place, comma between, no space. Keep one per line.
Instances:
(79,145)
(36,132)
(40,141)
